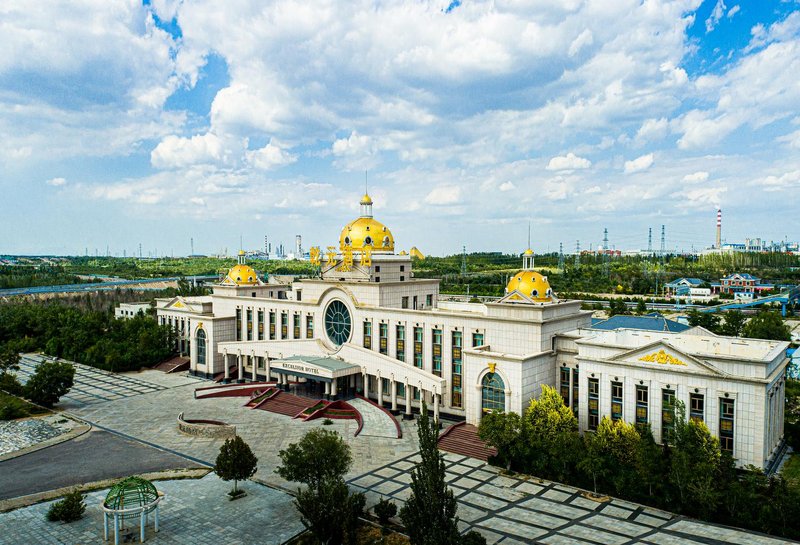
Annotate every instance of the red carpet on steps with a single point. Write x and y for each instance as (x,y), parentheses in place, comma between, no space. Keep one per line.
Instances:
(287,404)
(463,439)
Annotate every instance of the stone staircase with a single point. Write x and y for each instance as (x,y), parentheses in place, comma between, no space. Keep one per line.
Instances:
(463,439)
(287,404)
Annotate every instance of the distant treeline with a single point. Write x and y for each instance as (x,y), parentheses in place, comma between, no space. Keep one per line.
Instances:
(29,277)
(92,337)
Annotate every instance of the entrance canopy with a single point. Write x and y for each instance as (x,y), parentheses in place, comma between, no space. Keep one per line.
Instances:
(324,369)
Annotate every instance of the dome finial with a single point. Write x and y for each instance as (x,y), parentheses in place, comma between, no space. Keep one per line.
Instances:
(527,255)
(366,200)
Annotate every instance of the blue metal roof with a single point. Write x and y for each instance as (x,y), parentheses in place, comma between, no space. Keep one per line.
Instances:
(746,276)
(650,322)
(690,281)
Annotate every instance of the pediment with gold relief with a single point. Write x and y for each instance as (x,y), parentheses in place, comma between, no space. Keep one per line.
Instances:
(178,303)
(664,355)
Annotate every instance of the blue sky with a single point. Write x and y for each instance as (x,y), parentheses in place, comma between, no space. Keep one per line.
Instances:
(152,123)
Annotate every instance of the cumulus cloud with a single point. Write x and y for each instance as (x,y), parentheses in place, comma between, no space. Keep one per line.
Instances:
(639,164)
(716,14)
(699,176)
(448,194)
(269,157)
(733,11)
(570,161)
(779,183)
(175,151)
(652,130)
(56,182)
(507,186)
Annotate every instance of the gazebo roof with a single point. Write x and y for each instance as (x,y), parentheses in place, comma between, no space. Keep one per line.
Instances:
(130,492)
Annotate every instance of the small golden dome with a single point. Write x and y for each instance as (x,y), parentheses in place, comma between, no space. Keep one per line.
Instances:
(366,232)
(241,252)
(531,284)
(242,275)
(528,252)
(366,199)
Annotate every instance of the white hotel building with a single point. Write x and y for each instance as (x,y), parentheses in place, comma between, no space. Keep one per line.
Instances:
(366,325)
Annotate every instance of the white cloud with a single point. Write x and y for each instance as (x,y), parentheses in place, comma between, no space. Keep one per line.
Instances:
(507,186)
(716,14)
(703,197)
(570,161)
(198,201)
(652,130)
(733,11)
(56,182)
(447,194)
(639,164)
(174,151)
(779,183)
(584,39)
(269,157)
(699,176)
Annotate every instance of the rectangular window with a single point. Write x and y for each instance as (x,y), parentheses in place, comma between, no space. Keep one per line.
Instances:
(367,334)
(249,324)
(404,302)
(260,362)
(401,390)
(575,391)
(310,326)
(260,325)
(429,300)
(383,340)
(477,339)
(697,407)
(564,389)
(272,325)
(386,386)
(284,325)
(642,397)
(400,344)
(416,393)
(458,339)
(296,325)
(377,268)
(726,424)
(402,278)
(594,403)
(616,400)
(402,268)
(436,346)
(418,347)
(667,415)
(299,295)
(238,324)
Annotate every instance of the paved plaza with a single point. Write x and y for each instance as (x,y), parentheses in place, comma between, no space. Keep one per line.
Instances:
(194,511)
(141,411)
(510,510)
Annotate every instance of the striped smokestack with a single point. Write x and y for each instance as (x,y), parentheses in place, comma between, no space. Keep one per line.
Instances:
(719,228)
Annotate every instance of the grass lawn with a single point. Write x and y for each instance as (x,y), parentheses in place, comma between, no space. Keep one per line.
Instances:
(12,407)
(791,471)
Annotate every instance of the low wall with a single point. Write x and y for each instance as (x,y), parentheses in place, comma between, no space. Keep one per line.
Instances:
(206,428)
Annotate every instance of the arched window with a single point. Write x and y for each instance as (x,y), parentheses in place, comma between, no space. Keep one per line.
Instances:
(386,242)
(493,393)
(368,241)
(201,347)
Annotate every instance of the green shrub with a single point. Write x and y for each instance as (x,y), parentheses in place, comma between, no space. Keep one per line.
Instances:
(50,381)
(67,509)
(327,422)
(385,510)
(10,384)
(472,538)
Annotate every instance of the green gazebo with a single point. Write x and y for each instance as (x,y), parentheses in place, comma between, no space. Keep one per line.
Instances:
(130,498)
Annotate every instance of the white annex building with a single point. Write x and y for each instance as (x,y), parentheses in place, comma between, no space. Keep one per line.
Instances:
(366,325)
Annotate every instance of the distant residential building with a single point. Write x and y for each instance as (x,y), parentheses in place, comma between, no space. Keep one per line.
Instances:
(684,286)
(741,283)
(126,311)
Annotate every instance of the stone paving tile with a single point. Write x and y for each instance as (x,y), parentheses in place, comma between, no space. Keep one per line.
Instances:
(530,488)
(556,495)
(492,504)
(469,513)
(558,539)
(593,534)
(387,487)
(466,482)
(616,525)
(586,503)
(614,511)
(472,462)
(193,511)
(503,493)
(515,528)
(668,539)
(728,535)
(387,472)
(556,508)
(504,481)
(650,521)
(376,422)
(536,519)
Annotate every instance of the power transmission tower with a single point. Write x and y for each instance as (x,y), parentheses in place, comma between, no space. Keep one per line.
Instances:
(561,256)
(649,241)
(192,241)
(605,252)
(463,261)
(577,254)
(140,250)
(663,244)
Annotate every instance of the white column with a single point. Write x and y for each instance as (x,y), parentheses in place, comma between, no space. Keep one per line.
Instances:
(141,527)
(408,399)
(394,395)
(227,368)
(507,407)
(253,361)
(365,384)
(266,367)
(478,405)
(327,388)
(436,407)
(380,390)
(240,363)
(333,388)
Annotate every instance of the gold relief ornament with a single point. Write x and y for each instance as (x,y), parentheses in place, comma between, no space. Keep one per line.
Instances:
(314,256)
(491,367)
(662,358)
(330,256)
(347,259)
(366,256)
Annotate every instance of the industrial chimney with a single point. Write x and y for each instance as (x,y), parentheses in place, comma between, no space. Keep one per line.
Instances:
(719,228)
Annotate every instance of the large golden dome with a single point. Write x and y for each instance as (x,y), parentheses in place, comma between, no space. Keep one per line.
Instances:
(364,232)
(531,284)
(242,275)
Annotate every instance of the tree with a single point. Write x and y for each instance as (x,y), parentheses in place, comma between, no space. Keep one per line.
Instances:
(707,320)
(9,360)
(767,325)
(649,461)
(328,509)
(641,307)
(68,509)
(550,434)
(235,462)
(595,461)
(734,323)
(384,510)
(502,431)
(429,514)
(50,381)
(320,456)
